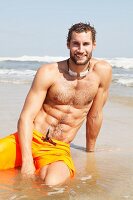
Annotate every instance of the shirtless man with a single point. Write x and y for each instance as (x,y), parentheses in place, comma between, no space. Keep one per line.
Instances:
(62,96)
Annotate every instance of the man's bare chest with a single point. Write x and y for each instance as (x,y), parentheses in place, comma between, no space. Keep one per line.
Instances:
(76,92)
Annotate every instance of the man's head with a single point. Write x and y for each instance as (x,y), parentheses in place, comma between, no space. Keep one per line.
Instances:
(81,43)
(82,27)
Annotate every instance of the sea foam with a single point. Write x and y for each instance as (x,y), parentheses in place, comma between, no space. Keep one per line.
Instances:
(117,62)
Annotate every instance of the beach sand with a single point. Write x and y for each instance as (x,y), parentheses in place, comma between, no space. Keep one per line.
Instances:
(106,174)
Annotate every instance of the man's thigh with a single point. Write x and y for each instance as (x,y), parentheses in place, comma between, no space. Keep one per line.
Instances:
(10,155)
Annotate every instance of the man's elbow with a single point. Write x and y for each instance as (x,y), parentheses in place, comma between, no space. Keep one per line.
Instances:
(96,116)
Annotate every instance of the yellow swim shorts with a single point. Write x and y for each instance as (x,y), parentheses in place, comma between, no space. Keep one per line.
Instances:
(43,152)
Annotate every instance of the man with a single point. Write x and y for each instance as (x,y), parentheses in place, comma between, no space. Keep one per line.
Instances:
(61,97)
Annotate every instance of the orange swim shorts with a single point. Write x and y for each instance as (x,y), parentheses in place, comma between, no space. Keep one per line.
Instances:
(43,152)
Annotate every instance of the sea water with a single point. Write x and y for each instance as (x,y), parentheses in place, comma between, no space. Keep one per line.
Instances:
(21,70)
(105,175)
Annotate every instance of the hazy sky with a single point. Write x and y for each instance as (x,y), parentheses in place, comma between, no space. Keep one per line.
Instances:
(39,27)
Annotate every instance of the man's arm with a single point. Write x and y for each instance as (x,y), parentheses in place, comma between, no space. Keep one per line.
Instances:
(95,114)
(32,106)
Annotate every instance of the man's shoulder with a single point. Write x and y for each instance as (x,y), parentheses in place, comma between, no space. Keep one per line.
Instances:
(101,65)
(51,68)
(46,73)
(104,71)
(48,67)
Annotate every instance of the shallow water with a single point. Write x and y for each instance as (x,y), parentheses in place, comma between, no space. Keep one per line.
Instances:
(100,176)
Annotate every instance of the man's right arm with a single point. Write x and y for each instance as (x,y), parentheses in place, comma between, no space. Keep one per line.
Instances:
(32,106)
(95,114)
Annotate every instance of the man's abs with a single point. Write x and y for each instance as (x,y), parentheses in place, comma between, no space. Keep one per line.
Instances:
(62,121)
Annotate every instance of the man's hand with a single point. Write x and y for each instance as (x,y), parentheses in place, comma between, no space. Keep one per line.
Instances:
(28,169)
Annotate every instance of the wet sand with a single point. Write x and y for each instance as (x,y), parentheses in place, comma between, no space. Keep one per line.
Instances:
(106,174)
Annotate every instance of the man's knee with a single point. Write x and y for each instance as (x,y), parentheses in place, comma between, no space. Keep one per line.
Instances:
(55,173)
(51,181)
(43,172)
(55,180)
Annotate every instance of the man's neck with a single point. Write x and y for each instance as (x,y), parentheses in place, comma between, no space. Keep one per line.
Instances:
(77,70)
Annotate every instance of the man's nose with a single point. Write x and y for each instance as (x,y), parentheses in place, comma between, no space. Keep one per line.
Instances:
(81,49)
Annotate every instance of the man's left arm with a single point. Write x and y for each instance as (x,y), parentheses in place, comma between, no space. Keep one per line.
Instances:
(95,114)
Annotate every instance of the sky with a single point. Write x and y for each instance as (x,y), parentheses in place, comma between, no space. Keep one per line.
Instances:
(40,27)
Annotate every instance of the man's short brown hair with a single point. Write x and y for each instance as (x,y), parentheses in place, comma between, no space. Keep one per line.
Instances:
(82,27)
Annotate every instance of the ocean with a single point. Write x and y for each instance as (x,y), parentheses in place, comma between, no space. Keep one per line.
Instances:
(21,70)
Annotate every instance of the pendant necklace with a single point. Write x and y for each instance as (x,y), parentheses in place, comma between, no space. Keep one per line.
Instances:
(81,74)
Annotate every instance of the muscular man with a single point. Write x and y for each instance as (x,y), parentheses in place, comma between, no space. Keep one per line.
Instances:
(62,96)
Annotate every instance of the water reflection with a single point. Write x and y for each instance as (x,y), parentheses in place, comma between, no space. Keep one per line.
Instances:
(100,175)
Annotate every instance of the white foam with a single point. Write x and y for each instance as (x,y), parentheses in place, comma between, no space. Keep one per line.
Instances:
(126,82)
(117,62)
(57,191)
(15,81)
(17,72)
(16,76)
(33,58)
(84,178)
(126,63)
(14,73)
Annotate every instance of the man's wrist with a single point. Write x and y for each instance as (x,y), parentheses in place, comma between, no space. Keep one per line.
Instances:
(90,147)
(89,150)
(27,159)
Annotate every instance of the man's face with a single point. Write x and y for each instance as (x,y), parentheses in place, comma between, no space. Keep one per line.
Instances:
(81,47)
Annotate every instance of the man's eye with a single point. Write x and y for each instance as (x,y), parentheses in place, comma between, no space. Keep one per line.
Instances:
(76,43)
(86,43)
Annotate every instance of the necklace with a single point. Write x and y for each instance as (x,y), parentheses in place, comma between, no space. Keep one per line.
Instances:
(81,74)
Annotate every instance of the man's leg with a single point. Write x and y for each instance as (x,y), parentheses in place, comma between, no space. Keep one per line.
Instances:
(55,173)
(43,172)
(10,155)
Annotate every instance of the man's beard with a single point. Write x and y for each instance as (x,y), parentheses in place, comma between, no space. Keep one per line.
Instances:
(77,62)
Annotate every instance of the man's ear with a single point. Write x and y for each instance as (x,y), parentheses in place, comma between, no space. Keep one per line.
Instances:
(68,45)
(94,45)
